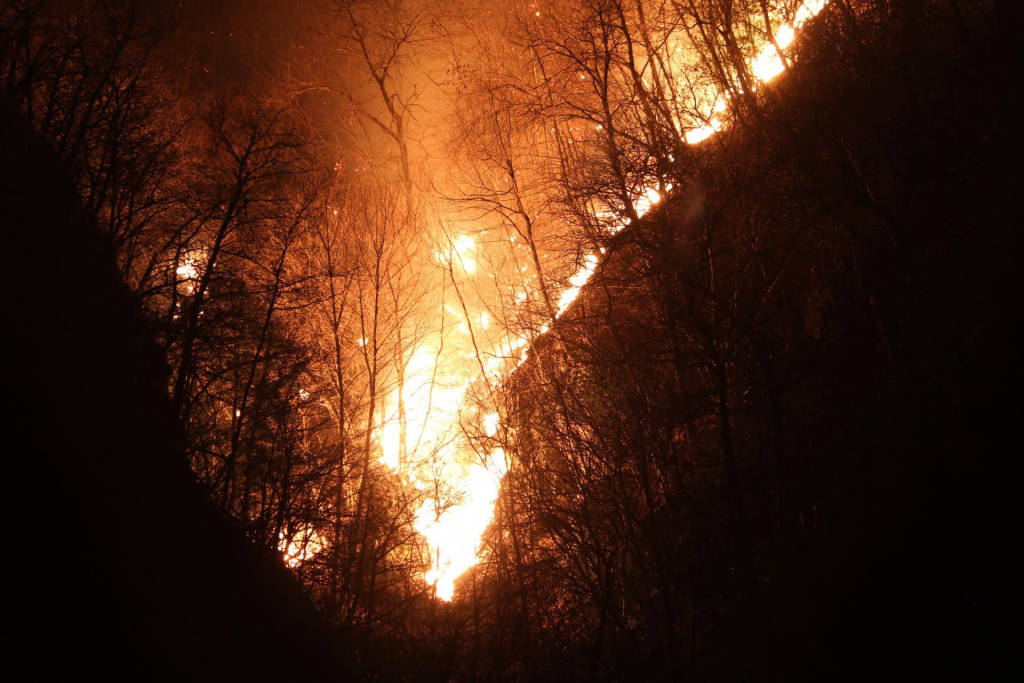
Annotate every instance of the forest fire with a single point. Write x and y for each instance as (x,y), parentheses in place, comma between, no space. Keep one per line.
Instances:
(437,379)
(436,340)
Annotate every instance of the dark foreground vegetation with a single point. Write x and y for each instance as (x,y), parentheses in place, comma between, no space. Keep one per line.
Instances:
(773,439)
(121,566)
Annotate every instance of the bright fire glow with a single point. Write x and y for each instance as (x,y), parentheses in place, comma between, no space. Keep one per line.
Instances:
(422,433)
(422,414)
(453,532)
(188,270)
(460,253)
(576,283)
(491,424)
(300,546)
(702,133)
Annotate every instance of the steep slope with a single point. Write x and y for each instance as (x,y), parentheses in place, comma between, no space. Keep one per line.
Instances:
(124,570)
(793,384)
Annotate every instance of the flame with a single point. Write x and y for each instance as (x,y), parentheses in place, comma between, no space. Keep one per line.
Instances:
(300,546)
(646,200)
(491,422)
(453,532)
(769,63)
(576,282)
(702,133)
(460,252)
(188,271)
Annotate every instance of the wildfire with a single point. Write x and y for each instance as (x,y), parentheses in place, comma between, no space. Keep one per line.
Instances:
(422,435)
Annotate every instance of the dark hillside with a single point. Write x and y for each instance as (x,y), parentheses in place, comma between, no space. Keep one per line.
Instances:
(798,379)
(122,568)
